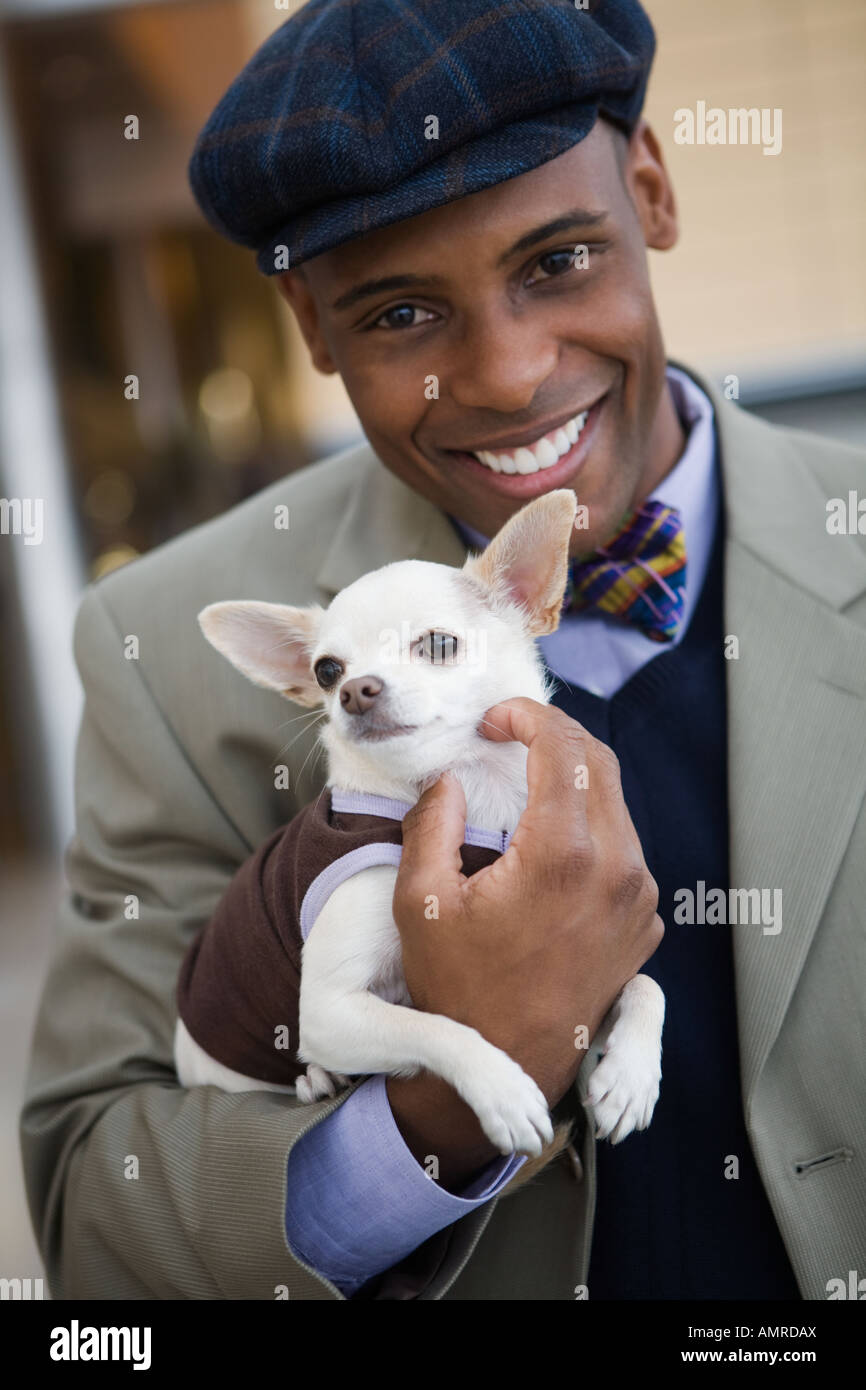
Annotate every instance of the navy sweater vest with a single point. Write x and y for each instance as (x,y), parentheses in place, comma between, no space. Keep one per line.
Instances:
(669,1223)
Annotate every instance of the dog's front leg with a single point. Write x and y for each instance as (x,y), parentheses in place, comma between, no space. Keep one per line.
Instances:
(354,948)
(624,1087)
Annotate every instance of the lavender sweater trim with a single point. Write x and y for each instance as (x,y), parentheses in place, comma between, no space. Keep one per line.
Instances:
(321,888)
(366,803)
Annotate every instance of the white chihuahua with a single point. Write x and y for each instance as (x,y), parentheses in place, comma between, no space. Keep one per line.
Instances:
(405,661)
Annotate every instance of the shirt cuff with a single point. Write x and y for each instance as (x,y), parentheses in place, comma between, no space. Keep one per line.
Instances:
(358,1201)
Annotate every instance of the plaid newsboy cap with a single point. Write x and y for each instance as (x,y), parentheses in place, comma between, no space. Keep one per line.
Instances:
(329,132)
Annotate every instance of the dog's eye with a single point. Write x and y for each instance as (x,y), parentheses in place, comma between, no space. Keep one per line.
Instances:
(327,672)
(438,647)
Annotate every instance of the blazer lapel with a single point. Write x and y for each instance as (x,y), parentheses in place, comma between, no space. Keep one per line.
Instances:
(796,715)
(385,521)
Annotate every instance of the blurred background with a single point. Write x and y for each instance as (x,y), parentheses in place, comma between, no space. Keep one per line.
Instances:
(108,271)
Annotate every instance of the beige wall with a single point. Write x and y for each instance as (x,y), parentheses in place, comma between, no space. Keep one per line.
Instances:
(770,272)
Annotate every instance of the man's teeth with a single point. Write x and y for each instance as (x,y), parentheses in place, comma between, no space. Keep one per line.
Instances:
(543,454)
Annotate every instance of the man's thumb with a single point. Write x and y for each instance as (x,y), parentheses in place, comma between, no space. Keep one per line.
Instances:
(433,832)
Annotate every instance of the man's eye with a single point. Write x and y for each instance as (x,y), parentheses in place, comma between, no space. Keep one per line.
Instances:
(400,316)
(438,647)
(327,672)
(554,263)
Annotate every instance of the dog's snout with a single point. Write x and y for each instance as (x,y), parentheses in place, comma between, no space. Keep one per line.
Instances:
(357,695)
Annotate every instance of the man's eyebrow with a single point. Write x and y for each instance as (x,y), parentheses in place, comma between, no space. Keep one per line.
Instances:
(578,217)
(383,286)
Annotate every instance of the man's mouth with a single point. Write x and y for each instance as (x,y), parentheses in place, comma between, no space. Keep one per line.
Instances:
(525,467)
(542,453)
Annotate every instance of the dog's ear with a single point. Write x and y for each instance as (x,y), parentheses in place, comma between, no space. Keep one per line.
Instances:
(270,643)
(527,561)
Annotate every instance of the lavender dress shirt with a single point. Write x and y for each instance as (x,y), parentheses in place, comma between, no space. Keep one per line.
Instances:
(358,1202)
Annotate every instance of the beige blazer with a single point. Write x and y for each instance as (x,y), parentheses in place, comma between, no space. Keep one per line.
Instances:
(139,1189)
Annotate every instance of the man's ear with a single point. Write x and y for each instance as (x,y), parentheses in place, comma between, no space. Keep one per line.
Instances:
(270,643)
(527,561)
(648,183)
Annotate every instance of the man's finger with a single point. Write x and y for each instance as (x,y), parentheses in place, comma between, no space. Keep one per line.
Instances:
(556,763)
(568,763)
(433,832)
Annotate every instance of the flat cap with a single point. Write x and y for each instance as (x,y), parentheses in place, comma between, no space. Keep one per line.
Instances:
(355,114)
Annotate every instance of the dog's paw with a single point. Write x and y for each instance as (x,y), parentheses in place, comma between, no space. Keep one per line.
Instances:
(319,1083)
(510,1107)
(624,1088)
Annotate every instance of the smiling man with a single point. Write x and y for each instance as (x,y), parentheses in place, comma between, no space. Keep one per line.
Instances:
(457,199)
(532,313)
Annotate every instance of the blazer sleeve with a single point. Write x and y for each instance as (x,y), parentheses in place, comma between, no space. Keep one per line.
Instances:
(137,1187)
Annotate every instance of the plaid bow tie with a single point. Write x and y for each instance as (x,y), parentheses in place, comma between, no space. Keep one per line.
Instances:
(638,575)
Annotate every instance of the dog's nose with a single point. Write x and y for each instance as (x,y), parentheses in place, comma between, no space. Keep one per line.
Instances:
(357,695)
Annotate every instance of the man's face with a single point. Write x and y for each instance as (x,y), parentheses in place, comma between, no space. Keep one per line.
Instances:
(484,301)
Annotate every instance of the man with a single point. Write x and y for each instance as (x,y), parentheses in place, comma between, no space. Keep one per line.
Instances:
(479,280)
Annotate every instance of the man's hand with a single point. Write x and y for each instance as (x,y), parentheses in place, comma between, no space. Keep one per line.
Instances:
(539,944)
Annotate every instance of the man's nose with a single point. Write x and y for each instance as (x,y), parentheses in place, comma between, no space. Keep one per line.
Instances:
(356,696)
(501,363)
